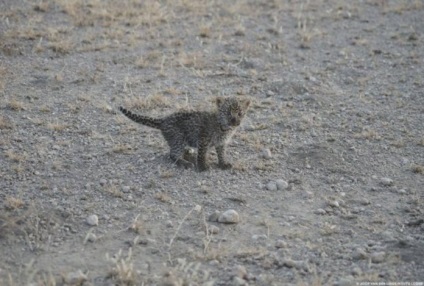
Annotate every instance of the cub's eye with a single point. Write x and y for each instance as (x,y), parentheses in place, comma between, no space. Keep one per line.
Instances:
(240,113)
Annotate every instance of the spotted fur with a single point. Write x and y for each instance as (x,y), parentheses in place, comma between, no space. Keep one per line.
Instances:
(198,129)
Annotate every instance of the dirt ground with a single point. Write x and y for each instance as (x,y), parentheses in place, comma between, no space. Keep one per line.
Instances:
(328,170)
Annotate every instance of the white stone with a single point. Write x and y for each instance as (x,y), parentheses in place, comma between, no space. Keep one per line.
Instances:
(93,220)
(229,216)
(281,184)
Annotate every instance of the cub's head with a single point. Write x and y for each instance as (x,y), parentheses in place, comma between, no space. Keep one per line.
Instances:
(231,111)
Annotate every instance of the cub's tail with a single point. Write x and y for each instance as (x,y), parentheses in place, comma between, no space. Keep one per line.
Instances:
(145,120)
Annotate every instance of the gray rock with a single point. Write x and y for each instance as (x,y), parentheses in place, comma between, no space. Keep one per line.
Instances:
(271,186)
(213,229)
(334,204)
(280,244)
(266,153)
(378,257)
(91,237)
(259,237)
(229,216)
(281,184)
(237,281)
(320,211)
(126,189)
(92,220)
(387,182)
(356,271)
(345,281)
(103,182)
(359,254)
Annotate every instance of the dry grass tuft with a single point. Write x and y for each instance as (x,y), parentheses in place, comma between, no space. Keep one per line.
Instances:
(12,203)
(122,149)
(164,198)
(149,102)
(56,126)
(5,123)
(368,135)
(114,191)
(122,271)
(16,105)
(15,157)
(418,169)
(136,225)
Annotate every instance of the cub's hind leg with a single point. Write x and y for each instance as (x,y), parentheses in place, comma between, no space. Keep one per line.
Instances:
(177,150)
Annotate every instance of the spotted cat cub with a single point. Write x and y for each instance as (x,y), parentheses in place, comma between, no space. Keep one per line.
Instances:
(198,129)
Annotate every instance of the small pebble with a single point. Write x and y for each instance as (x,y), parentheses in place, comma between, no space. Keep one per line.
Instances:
(280,244)
(334,204)
(270,93)
(346,281)
(93,220)
(126,189)
(103,182)
(281,184)
(75,278)
(271,186)
(320,211)
(402,191)
(91,237)
(213,229)
(259,237)
(237,281)
(356,271)
(241,271)
(169,223)
(229,216)
(266,153)
(386,182)
(378,257)
(359,254)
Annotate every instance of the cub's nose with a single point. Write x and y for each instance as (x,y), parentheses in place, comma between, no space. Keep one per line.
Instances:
(235,122)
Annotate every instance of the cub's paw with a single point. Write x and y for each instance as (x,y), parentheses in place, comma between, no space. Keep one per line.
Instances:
(203,168)
(225,166)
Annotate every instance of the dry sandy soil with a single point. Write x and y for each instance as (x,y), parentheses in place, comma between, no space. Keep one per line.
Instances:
(337,114)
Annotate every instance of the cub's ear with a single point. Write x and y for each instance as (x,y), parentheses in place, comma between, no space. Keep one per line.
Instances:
(219,100)
(245,103)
